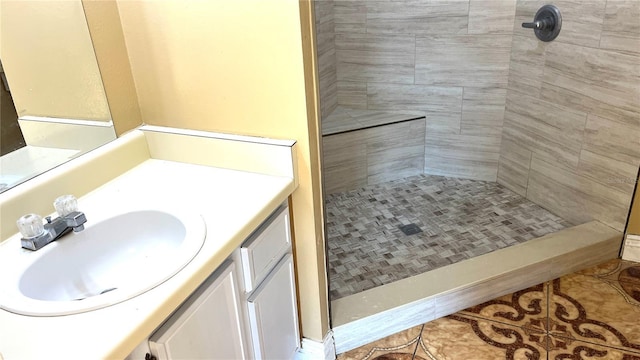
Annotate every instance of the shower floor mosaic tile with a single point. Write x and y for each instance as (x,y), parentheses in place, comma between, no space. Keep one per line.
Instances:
(591,314)
(458,219)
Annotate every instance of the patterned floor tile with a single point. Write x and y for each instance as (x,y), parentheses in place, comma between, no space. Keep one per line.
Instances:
(459,219)
(400,346)
(463,337)
(578,350)
(597,309)
(527,309)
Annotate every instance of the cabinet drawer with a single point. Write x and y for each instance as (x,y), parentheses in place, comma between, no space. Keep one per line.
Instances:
(262,251)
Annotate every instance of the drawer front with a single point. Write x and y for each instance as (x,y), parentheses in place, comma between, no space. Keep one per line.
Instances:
(262,251)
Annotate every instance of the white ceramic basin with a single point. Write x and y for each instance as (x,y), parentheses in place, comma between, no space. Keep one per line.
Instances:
(110,261)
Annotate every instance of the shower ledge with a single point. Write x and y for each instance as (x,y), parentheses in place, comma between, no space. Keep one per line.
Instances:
(379,312)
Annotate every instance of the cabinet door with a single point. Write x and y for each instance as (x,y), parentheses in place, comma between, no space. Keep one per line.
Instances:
(207,325)
(273,315)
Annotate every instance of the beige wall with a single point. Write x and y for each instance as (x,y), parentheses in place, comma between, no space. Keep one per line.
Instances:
(634,218)
(103,20)
(572,119)
(48,56)
(236,67)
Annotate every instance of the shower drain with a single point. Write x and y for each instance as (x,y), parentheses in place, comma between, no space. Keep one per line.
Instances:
(410,229)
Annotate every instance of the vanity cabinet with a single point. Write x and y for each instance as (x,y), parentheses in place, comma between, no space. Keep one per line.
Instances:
(246,309)
(208,325)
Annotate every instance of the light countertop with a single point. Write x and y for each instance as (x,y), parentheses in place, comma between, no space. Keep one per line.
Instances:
(232,204)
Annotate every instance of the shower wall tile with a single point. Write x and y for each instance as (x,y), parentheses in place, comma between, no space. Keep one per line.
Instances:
(395,151)
(344,162)
(462,156)
(575,198)
(366,57)
(417,17)
(621,28)
(463,60)
(433,100)
(602,82)
(350,16)
(352,94)
(612,138)
(483,111)
(444,123)
(323,11)
(607,171)
(513,169)
(374,155)
(325,44)
(526,68)
(545,128)
(574,105)
(488,17)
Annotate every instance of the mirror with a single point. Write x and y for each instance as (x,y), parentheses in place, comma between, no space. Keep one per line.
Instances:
(51,72)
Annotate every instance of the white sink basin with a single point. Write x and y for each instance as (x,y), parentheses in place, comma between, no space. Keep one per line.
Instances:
(109,262)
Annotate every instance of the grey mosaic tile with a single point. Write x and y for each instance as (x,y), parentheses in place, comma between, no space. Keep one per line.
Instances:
(459,218)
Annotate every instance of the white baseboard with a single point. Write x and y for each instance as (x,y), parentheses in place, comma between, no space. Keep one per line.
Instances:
(315,350)
(631,250)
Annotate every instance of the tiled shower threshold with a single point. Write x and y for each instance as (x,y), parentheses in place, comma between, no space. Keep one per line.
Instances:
(384,310)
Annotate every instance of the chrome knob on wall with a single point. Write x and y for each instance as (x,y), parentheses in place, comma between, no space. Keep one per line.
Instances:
(546,23)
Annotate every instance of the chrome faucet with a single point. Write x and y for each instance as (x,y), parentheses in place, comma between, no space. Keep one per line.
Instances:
(35,234)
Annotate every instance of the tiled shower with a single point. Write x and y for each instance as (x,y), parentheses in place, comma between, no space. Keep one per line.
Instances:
(556,123)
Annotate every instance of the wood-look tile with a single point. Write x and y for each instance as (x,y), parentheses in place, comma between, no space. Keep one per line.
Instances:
(513,169)
(601,82)
(338,120)
(395,151)
(598,310)
(444,123)
(344,162)
(350,16)
(495,16)
(465,156)
(544,127)
(328,98)
(352,94)
(366,57)
(611,138)
(401,346)
(417,17)
(581,20)
(325,38)
(369,118)
(323,11)
(621,28)
(608,171)
(462,337)
(526,68)
(463,60)
(432,100)
(483,111)
(573,197)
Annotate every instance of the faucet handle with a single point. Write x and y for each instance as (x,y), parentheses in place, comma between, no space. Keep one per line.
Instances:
(30,225)
(65,204)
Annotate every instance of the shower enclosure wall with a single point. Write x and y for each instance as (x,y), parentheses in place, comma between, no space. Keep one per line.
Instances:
(459,89)
(557,122)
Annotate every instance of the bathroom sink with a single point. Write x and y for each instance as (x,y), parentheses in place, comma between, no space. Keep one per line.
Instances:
(110,261)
